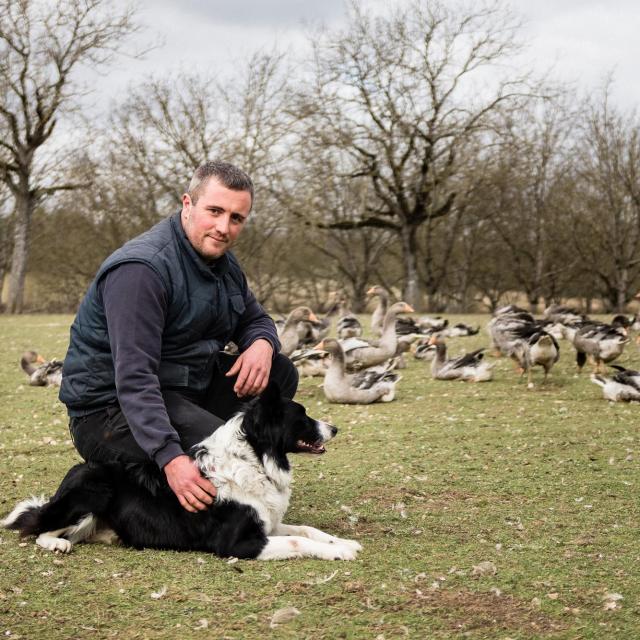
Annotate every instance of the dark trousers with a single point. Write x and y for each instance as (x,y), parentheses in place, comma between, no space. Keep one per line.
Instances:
(105,436)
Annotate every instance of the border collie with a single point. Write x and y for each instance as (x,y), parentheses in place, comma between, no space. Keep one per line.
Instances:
(246,459)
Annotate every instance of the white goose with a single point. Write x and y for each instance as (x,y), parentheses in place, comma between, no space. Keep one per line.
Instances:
(466,367)
(42,373)
(624,386)
(288,335)
(377,317)
(365,387)
(361,354)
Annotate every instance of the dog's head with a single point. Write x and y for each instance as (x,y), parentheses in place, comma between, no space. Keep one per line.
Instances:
(275,426)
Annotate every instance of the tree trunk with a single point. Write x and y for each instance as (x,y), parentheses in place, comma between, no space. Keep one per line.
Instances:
(623,288)
(411,291)
(24,210)
(534,299)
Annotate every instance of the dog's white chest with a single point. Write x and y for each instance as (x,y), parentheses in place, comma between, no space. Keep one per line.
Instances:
(238,475)
(250,485)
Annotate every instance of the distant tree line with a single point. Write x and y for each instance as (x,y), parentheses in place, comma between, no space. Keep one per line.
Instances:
(409,150)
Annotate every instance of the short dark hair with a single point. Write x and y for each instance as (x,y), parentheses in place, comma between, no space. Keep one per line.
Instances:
(227,174)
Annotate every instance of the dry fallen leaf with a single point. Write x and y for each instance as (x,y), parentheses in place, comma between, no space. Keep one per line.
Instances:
(156,595)
(484,568)
(322,580)
(281,616)
(611,601)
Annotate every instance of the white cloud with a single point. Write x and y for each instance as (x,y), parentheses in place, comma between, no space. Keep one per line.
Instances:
(583,40)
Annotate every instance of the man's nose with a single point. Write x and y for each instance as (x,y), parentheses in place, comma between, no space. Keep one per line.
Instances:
(222,224)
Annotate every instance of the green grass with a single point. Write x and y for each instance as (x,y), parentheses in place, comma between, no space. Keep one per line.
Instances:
(542,483)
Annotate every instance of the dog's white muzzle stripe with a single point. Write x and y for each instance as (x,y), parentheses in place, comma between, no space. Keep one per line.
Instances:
(327,431)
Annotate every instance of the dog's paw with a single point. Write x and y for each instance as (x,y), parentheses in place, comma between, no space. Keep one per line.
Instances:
(343,552)
(51,543)
(353,544)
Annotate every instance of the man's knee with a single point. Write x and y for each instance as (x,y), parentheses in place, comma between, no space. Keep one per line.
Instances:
(285,374)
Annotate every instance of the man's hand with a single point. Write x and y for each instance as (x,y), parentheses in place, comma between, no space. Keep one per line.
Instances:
(193,491)
(252,368)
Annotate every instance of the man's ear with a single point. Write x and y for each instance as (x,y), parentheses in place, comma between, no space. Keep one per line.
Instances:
(186,206)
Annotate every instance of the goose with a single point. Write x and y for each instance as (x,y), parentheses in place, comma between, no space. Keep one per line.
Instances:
(621,321)
(288,334)
(348,325)
(624,386)
(41,373)
(535,347)
(468,367)
(502,325)
(427,323)
(310,332)
(570,329)
(424,350)
(603,342)
(561,314)
(377,317)
(410,327)
(310,362)
(365,387)
(361,354)
(460,330)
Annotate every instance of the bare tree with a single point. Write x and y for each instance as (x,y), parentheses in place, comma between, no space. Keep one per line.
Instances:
(41,44)
(169,126)
(606,216)
(530,181)
(400,96)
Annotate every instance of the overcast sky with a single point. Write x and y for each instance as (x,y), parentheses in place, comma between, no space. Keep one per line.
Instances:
(583,40)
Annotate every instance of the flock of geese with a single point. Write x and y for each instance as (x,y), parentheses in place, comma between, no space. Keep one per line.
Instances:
(359,371)
(362,371)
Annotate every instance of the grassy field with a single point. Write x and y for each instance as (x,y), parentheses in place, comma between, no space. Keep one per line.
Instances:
(485,511)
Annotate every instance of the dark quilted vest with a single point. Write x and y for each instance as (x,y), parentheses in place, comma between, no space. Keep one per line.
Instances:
(204,304)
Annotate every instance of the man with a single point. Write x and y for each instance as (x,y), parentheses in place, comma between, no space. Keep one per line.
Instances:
(145,377)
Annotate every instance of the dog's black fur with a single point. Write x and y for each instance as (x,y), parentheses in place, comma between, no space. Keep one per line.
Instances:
(136,502)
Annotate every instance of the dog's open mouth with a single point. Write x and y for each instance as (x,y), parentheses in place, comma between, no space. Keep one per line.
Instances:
(305,447)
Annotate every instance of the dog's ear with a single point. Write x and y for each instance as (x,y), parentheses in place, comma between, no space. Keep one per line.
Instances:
(271,396)
(266,409)
(263,425)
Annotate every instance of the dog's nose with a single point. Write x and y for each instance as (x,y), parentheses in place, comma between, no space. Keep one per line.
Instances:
(334,430)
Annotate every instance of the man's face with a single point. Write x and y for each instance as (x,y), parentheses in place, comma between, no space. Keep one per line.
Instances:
(214,223)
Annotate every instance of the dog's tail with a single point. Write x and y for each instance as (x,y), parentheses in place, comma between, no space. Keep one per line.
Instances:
(25,517)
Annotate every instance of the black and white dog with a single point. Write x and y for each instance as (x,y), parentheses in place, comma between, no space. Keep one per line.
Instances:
(246,459)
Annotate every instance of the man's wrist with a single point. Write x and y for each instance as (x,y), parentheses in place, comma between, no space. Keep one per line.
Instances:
(265,341)
(168,453)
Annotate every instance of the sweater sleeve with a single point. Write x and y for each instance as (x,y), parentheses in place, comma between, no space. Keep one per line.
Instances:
(254,324)
(135,304)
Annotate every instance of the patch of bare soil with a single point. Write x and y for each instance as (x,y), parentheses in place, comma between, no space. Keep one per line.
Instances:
(476,611)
